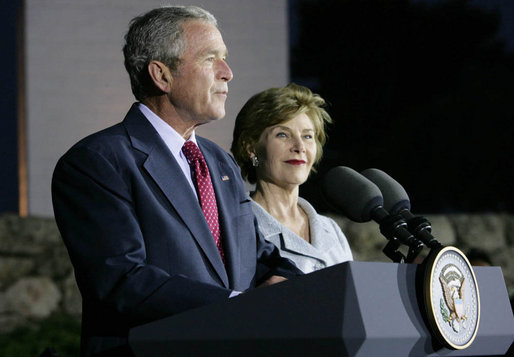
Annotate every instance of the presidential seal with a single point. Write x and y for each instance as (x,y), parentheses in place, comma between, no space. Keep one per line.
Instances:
(452,299)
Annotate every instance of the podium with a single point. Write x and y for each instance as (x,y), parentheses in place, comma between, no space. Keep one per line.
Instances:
(350,309)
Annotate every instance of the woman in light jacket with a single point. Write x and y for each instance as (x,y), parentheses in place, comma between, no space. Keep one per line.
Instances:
(278,138)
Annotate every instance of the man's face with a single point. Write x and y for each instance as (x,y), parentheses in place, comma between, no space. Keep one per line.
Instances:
(200,83)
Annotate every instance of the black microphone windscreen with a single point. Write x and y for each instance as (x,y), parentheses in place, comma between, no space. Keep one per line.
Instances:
(395,196)
(351,193)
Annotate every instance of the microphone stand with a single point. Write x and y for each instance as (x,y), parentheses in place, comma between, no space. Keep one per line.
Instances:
(394,228)
(421,229)
(391,251)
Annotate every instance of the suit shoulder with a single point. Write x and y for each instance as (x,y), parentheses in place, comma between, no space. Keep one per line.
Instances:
(102,137)
(113,137)
(103,141)
(215,149)
(208,144)
(105,150)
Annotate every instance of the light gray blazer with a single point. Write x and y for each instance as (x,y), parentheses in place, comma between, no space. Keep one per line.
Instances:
(328,243)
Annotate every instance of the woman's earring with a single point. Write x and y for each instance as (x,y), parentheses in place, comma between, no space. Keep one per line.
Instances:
(255,161)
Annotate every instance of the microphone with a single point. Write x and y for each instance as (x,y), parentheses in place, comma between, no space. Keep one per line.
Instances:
(361,200)
(351,193)
(396,201)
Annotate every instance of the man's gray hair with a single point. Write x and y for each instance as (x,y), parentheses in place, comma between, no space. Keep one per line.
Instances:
(157,35)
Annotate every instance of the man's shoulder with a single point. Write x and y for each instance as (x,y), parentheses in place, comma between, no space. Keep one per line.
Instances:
(101,141)
(109,139)
(208,144)
(214,149)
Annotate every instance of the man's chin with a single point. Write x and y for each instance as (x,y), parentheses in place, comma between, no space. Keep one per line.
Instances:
(211,118)
(218,116)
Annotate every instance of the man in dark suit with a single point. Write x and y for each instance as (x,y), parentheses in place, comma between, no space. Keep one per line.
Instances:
(130,207)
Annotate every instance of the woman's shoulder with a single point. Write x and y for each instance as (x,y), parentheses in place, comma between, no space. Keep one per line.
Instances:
(268,225)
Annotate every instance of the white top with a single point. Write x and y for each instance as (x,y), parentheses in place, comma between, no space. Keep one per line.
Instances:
(328,245)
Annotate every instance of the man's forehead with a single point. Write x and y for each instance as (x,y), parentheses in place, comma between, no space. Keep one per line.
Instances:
(201,33)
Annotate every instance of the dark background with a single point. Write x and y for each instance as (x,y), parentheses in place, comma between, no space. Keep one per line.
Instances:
(8,107)
(423,90)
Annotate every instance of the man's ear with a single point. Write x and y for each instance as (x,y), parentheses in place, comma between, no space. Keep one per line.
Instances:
(160,75)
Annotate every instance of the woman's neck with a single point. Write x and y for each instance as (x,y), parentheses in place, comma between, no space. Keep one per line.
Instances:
(282,204)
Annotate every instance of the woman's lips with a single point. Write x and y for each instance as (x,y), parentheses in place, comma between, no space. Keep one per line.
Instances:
(296,162)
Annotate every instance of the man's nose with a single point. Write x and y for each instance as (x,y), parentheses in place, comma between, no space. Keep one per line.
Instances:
(225,73)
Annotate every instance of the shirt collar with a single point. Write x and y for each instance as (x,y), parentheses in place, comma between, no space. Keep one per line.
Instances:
(171,137)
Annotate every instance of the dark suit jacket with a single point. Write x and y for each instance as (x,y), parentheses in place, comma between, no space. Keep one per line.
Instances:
(136,235)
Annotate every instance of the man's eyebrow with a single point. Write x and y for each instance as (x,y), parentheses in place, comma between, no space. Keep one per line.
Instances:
(213,51)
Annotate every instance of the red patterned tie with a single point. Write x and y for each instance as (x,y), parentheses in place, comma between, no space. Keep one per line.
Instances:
(205,190)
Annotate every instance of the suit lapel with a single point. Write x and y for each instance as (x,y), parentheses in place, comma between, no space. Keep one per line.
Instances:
(224,181)
(164,170)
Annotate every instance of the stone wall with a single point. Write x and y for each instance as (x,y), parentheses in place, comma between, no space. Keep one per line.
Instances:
(36,277)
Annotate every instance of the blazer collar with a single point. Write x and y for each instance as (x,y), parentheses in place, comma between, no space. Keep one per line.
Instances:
(270,227)
(171,181)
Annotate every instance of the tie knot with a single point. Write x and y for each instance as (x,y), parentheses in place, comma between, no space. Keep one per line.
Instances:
(191,151)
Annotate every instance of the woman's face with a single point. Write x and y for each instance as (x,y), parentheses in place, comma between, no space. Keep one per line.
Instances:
(286,152)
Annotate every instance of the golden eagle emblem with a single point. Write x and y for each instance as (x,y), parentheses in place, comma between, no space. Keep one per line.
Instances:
(453,283)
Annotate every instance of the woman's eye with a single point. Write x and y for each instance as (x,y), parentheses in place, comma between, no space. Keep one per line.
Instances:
(281,135)
(308,136)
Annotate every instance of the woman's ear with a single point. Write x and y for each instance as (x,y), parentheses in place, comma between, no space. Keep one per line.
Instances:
(249,150)
(161,75)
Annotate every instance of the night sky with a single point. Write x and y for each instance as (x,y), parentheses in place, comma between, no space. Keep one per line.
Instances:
(420,89)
